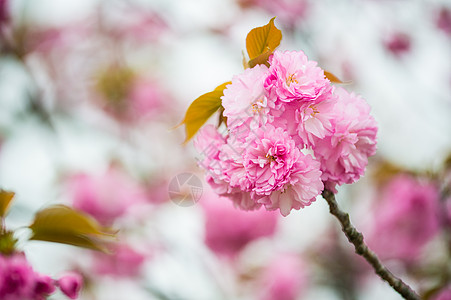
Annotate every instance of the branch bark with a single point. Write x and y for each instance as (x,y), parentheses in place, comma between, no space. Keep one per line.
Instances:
(356,238)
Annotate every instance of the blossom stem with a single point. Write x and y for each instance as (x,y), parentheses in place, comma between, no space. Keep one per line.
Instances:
(356,238)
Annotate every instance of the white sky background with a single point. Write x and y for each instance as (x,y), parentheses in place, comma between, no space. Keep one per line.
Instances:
(410,98)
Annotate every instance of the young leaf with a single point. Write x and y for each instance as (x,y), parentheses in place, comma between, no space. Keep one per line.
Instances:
(262,59)
(263,39)
(332,77)
(62,224)
(5,202)
(201,110)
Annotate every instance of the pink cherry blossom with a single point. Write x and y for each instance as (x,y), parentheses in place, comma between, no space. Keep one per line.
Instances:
(44,286)
(245,100)
(282,176)
(285,278)
(18,280)
(344,154)
(70,284)
(398,43)
(295,78)
(124,261)
(146,98)
(314,121)
(405,218)
(228,229)
(444,294)
(443,20)
(107,196)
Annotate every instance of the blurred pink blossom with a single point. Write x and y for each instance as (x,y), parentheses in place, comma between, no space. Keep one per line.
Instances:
(4,13)
(285,278)
(405,218)
(444,294)
(124,261)
(228,229)
(18,281)
(398,43)
(70,284)
(444,20)
(107,196)
(146,99)
(289,12)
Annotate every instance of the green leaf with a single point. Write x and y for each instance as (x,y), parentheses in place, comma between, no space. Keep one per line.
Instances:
(62,224)
(201,110)
(332,77)
(5,202)
(263,39)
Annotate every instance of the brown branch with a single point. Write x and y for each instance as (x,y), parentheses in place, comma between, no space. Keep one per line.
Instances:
(356,238)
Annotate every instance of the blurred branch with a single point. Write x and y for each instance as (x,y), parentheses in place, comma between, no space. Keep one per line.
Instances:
(356,238)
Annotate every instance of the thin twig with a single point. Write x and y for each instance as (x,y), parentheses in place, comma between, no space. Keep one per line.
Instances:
(356,238)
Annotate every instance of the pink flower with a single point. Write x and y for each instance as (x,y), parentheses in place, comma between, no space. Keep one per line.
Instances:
(17,278)
(44,286)
(124,261)
(294,78)
(18,281)
(344,154)
(398,43)
(285,278)
(444,294)
(70,284)
(229,230)
(314,120)
(405,219)
(444,20)
(106,197)
(145,98)
(282,176)
(245,100)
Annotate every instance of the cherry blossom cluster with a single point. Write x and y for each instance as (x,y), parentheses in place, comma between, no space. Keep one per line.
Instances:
(290,134)
(18,281)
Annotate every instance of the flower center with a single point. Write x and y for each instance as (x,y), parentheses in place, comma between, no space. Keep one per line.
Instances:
(257,106)
(270,157)
(312,110)
(291,79)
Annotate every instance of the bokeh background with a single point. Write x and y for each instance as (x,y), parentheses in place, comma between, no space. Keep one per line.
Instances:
(91,92)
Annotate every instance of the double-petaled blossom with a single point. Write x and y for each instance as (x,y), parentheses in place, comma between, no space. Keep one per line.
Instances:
(344,153)
(245,101)
(292,77)
(281,175)
(288,131)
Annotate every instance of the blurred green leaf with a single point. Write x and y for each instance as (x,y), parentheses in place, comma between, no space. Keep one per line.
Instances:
(5,202)
(201,110)
(263,39)
(62,224)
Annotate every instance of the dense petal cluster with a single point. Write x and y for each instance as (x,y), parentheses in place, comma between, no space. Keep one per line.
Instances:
(290,133)
(18,281)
